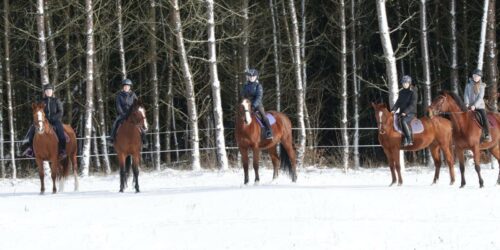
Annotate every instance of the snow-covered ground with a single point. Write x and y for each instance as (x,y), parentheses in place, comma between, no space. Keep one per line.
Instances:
(325,209)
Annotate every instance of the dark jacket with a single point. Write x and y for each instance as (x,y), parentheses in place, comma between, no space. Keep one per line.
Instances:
(54,109)
(407,101)
(124,101)
(253,91)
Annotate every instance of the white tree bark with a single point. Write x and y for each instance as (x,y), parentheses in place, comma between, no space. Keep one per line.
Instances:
(89,93)
(454,52)
(154,80)
(343,79)
(390,61)
(492,58)
(482,39)
(42,43)
(299,85)
(8,83)
(190,95)
(276,56)
(425,53)
(214,80)
(52,47)
(244,42)
(121,47)
(102,120)
(2,141)
(355,83)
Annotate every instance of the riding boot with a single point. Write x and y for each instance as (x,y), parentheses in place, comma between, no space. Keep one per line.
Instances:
(112,134)
(144,140)
(408,141)
(486,125)
(28,143)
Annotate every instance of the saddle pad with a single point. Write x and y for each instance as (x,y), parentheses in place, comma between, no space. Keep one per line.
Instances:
(491,120)
(417,126)
(270,117)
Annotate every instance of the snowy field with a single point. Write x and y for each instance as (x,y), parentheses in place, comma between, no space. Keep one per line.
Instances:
(325,209)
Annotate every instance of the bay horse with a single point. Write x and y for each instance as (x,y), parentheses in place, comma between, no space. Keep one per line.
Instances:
(45,147)
(437,135)
(466,131)
(248,135)
(128,143)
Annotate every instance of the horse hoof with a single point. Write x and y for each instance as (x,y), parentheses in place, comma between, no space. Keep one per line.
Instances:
(462,186)
(42,192)
(137,191)
(121,191)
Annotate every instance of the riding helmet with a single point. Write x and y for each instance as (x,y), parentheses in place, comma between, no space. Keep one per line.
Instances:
(127,81)
(252,72)
(406,79)
(48,86)
(477,72)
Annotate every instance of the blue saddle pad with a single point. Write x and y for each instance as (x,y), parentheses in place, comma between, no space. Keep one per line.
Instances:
(417,126)
(270,117)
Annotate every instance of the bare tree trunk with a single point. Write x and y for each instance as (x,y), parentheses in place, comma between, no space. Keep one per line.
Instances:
(287,31)
(390,60)
(190,95)
(169,100)
(465,40)
(355,85)
(2,141)
(120,39)
(67,67)
(95,148)
(276,57)
(8,83)
(244,42)
(454,53)
(343,73)
(299,89)
(52,47)
(482,39)
(492,58)
(425,53)
(154,80)
(42,44)
(102,119)
(216,97)
(89,104)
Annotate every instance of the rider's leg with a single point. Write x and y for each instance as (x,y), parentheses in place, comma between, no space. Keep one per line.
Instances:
(58,126)
(486,125)
(407,126)
(269,131)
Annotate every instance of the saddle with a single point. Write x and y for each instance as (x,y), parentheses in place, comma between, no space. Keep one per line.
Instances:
(479,121)
(417,127)
(269,116)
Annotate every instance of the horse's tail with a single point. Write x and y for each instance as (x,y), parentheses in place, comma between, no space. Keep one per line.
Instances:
(286,164)
(65,167)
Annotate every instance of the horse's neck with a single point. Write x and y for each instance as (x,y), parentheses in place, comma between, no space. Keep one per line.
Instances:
(461,121)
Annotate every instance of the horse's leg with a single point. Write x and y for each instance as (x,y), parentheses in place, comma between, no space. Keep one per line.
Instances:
(256,159)
(288,146)
(477,161)
(461,162)
(74,164)
(437,161)
(495,151)
(121,162)
(448,155)
(244,159)
(135,169)
(398,166)
(276,161)
(41,173)
(391,166)
(54,169)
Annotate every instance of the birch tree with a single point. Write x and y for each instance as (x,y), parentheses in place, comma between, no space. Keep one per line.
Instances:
(2,141)
(390,61)
(343,77)
(299,85)
(355,83)
(102,120)
(89,79)
(8,83)
(454,53)
(121,48)
(42,44)
(482,39)
(154,79)
(216,97)
(492,57)
(190,95)
(276,56)
(425,53)
(51,43)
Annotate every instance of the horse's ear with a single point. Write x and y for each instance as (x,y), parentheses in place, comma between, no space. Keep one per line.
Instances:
(33,105)
(373,105)
(42,105)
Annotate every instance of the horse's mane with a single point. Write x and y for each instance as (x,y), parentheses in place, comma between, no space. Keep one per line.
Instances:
(132,109)
(456,98)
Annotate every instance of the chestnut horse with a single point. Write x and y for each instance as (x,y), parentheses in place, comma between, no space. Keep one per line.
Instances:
(248,137)
(437,135)
(45,147)
(466,131)
(128,143)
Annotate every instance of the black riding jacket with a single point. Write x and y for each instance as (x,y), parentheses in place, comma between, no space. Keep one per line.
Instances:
(124,101)
(54,109)
(407,101)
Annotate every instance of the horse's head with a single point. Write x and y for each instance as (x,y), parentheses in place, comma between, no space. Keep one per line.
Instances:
(446,102)
(39,117)
(245,111)
(382,116)
(138,115)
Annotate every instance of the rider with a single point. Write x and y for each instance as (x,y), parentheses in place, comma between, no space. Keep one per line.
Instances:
(53,112)
(124,101)
(253,91)
(407,104)
(473,99)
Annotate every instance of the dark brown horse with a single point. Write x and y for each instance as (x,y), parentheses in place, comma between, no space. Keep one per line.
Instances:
(248,137)
(128,143)
(466,131)
(45,147)
(437,135)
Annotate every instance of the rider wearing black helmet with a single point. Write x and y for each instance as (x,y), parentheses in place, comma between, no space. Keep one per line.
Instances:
(124,101)
(473,99)
(253,91)
(407,105)
(53,112)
